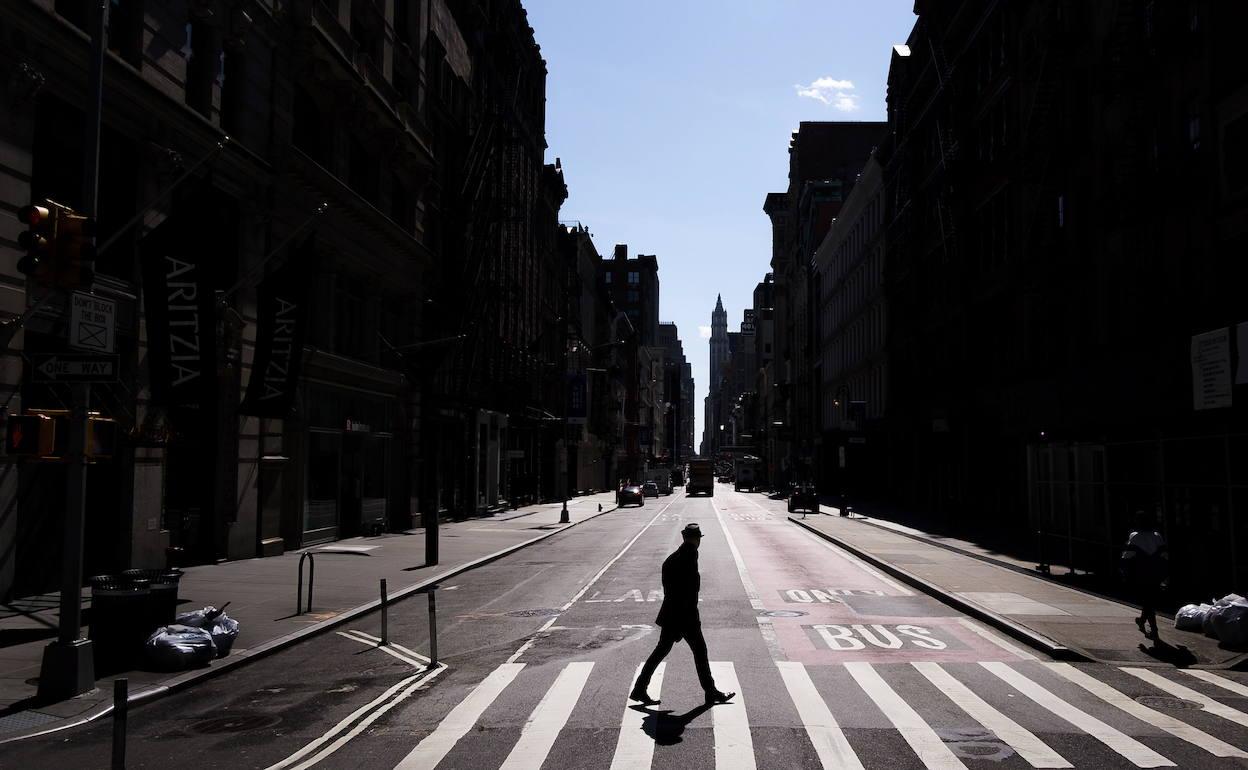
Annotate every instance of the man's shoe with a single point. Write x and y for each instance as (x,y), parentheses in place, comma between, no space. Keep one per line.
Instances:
(715,696)
(642,697)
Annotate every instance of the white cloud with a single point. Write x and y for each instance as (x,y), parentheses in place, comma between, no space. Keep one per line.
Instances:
(704,332)
(837,94)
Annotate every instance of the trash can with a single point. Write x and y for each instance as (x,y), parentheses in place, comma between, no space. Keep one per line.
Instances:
(120,608)
(163,601)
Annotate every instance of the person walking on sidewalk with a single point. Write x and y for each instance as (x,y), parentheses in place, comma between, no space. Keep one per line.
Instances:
(1144,566)
(678,619)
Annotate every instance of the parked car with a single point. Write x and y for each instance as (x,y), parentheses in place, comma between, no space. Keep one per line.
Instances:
(803,497)
(650,489)
(629,495)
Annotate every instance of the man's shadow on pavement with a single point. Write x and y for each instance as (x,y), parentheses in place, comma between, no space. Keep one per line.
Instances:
(1180,656)
(665,727)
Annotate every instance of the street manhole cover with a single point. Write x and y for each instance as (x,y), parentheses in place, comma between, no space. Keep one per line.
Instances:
(1166,702)
(538,613)
(782,613)
(235,723)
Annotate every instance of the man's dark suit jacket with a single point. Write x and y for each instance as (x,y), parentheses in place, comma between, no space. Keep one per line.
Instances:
(681,583)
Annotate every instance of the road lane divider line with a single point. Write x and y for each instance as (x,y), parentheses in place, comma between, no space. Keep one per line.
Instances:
(929,747)
(390,693)
(1129,748)
(1023,741)
(1145,714)
(367,721)
(825,734)
(635,749)
(455,725)
(374,645)
(1186,693)
(532,640)
(1003,644)
(734,747)
(548,718)
(395,645)
(746,581)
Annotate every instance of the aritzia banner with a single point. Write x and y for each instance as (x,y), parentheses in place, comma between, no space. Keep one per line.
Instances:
(281,328)
(179,305)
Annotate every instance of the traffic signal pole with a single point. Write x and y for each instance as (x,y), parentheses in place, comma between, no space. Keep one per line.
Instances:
(68,667)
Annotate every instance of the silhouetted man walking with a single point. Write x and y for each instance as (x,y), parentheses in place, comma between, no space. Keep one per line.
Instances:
(678,619)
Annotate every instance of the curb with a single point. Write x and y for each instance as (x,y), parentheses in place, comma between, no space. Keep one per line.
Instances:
(1016,630)
(1003,564)
(186,680)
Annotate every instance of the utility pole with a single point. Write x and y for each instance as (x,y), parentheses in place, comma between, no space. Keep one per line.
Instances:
(68,666)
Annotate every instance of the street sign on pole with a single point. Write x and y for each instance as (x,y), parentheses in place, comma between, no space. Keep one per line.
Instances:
(74,367)
(92,321)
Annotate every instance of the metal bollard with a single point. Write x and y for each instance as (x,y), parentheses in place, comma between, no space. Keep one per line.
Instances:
(433,627)
(299,610)
(121,704)
(385,615)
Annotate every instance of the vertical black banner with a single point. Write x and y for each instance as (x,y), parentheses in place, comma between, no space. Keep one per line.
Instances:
(281,328)
(180,305)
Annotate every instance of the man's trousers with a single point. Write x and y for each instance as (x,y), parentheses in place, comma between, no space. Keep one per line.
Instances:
(668,636)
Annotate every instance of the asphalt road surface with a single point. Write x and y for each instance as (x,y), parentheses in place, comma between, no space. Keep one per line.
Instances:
(834,663)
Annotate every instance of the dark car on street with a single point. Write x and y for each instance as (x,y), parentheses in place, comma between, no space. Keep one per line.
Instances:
(650,489)
(803,497)
(630,495)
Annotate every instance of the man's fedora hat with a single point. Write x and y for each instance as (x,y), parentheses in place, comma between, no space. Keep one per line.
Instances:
(692,530)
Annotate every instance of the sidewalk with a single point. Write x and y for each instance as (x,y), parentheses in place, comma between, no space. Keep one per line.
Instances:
(1062,621)
(261,593)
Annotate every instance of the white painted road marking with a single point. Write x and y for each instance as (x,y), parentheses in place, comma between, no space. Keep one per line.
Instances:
(734,748)
(533,639)
(1145,714)
(1028,746)
(1218,681)
(1179,691)
(750,591)
(429,752)
(551,714)
(1134,751)
(635,749)
(921,737)
(825,734)
(997,640)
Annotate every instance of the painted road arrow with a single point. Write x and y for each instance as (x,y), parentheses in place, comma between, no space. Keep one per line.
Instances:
(74,368)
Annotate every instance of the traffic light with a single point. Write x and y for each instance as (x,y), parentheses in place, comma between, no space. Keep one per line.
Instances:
(75,251)
(39,240)
(59,244)
(30,435)
(101,438)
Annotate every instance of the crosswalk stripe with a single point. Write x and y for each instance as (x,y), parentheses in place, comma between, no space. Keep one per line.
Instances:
(1134,751)
(429,752)
(1028,746)
(635,748)
(826,735)
(1218,681)
(1145,714)
(921,737)
(734,748)
(1186,693)
(548,718)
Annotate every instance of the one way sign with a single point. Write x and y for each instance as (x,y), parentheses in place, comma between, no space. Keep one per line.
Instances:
(74,368)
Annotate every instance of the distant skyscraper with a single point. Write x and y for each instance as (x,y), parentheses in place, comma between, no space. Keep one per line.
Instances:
(719,342)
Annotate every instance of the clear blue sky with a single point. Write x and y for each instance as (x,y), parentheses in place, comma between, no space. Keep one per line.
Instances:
(673,117)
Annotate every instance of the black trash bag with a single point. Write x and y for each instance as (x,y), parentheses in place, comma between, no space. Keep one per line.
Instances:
(223,628)
(179,648)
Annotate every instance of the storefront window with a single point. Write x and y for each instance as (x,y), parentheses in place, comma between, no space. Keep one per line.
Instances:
(320,515)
